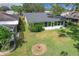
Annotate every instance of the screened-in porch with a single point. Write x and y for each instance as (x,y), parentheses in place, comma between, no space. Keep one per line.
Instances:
(55,23)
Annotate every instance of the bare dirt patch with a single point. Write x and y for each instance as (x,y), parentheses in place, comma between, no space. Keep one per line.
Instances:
(39,49)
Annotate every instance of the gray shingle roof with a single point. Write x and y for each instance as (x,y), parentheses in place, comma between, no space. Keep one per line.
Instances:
(8,17)
(40,17)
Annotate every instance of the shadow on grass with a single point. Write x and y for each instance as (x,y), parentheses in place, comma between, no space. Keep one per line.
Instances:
(77,47)
(63,53)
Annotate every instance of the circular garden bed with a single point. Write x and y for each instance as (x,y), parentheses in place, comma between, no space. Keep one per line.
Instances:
(39,49)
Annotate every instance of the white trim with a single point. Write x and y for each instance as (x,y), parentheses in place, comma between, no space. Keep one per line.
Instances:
(8,22)
(53,27)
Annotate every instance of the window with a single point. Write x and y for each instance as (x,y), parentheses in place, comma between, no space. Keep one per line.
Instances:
(61,22)
(58,22)
(45,24)
(55,23)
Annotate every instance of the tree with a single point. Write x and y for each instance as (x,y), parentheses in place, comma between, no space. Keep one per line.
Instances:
(5,8)
(18,9)
(5,36)
(33,7)
(57,9)
(75,6)
(1,9)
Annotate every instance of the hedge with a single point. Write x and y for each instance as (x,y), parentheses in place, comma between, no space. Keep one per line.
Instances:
(36,28)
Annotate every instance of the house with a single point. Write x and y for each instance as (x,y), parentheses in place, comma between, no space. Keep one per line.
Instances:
(49,22)
(73,16)
(9,21)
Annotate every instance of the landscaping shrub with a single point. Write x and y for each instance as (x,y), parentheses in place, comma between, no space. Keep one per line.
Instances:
(36,28)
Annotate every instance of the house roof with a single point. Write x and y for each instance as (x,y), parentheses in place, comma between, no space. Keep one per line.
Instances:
(40,17)
(73,15)
(8,18)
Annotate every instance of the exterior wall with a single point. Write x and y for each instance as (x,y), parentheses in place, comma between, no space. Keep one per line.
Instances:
(8,22)
(53,27)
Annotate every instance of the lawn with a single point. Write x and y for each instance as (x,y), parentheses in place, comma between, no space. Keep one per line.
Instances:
(55,44)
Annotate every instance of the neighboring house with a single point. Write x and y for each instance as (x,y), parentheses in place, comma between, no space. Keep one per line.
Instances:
(9,21)
(73,16)
(49,22)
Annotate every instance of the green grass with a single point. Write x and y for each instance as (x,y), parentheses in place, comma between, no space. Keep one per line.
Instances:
(55,44)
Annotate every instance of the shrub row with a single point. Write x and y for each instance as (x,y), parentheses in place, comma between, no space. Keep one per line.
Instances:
(36,28)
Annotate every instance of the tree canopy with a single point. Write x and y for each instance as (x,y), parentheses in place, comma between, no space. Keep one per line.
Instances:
(18,9)
(1,9)
(57,9)
(33,7)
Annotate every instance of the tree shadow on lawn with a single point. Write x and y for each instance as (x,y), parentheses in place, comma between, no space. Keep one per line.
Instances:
(77,47)
(63,53)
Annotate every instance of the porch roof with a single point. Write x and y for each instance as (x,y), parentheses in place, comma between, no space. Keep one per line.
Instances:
(40,17)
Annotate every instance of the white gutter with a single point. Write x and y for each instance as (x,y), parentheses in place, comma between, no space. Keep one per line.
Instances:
(9,22)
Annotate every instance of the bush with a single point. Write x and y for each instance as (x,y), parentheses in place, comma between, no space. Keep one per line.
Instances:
(62,33)
(36,28)
(5,37)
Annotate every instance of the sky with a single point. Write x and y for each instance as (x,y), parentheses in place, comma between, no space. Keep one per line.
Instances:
(9,4)
(46,5)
